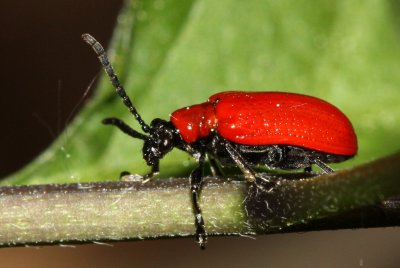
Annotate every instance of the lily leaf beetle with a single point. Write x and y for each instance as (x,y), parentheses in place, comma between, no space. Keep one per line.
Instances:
(243,129)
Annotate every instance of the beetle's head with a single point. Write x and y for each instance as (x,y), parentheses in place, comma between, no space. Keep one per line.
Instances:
(161,140)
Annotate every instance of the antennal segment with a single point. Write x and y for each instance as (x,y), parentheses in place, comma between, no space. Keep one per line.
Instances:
(99,50)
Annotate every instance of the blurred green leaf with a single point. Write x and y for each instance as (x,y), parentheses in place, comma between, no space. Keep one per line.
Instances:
(170,54)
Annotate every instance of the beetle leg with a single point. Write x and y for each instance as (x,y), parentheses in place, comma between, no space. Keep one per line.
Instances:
(126,176)
(196,178)
(155,169)
(308,169)
(249,174)
(325,168)
(215,169)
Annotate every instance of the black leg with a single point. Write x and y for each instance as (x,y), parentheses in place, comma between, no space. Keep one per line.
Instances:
(215,169)
(248,172)
(155,169)
(308,169)
(127,176)
(196,178)
(250,175)
(325,168)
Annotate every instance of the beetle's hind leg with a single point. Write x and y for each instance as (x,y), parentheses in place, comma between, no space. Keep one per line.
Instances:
(325,168)
(196,179)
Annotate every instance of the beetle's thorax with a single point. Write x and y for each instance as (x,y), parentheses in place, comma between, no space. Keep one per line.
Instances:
(162,139)
(195,122)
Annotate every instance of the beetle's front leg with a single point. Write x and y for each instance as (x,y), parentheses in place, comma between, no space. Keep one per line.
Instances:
(196,179)
(155,170)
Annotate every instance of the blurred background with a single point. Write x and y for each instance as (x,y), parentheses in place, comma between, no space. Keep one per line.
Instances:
(45,71)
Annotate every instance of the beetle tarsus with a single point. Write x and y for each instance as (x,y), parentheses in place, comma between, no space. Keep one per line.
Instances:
(126,176)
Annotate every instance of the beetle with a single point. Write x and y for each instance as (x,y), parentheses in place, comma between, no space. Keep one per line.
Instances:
(243,129)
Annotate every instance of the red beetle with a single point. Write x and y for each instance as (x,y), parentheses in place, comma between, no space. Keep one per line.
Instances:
(243,129)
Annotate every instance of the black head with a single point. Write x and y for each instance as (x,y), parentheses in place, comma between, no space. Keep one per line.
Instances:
(163,137)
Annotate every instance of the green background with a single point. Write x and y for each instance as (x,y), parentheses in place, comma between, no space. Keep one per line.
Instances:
(170,54)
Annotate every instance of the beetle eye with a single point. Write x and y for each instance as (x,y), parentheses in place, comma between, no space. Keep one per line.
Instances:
(165,143)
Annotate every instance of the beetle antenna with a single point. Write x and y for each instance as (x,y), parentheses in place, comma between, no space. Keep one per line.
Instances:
(99,50)
(124,128)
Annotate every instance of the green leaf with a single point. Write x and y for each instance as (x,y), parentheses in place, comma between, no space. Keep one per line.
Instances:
(170,54)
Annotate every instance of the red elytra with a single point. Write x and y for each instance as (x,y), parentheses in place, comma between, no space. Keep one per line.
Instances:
(264,118)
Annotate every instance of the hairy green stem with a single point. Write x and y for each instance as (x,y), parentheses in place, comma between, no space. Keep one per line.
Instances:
(107,211)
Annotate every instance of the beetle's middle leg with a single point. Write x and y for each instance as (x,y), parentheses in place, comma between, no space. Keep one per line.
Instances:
(214,167)
(325,168)
(249,174)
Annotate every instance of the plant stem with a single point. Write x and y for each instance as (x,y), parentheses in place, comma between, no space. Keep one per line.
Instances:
(45,214)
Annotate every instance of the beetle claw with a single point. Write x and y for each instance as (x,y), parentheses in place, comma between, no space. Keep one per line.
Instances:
(131,177)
